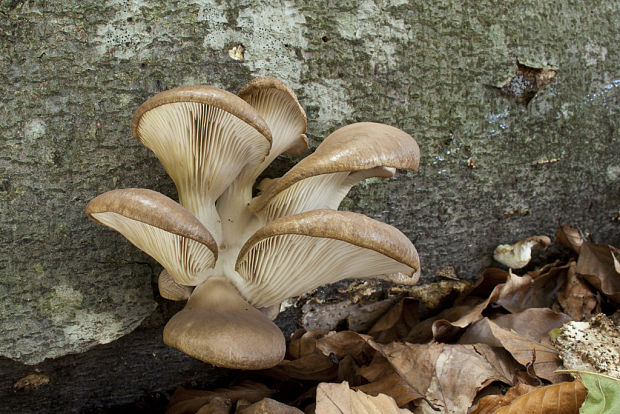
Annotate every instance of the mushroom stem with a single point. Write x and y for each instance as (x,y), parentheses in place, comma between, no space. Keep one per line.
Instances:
(219,327)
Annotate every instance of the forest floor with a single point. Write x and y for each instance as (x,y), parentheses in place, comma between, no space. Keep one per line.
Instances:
(544,340)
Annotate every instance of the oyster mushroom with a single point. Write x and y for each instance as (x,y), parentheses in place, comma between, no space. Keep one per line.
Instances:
(234,257)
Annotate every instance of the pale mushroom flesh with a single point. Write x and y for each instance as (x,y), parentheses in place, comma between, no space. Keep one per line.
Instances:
(234,257)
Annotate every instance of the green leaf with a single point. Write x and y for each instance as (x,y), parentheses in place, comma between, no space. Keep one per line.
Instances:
(603,394)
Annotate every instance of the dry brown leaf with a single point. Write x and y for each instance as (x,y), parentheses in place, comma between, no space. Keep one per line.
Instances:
(344,343)
(597,264)
(340,399)
(269,406)
(384,380)
(304,343)
(216,405)
(190,401)
(576,298)
(449,376)
(542,358)
(569,237)
(562,398)
(490,403)
(533,290)
(394,386)
(534,323)
(313,367)
(397,322)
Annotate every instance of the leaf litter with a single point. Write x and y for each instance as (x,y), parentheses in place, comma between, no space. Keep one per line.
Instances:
(491,352)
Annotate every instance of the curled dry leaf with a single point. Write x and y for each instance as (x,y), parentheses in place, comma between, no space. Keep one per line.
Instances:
(519,254)
(449,376)
(569,237)
(397,322)
(491,403)
(576,298)
(269,406)
(562,398)
(191,401)
(339,399)
(598,264)
(384,380)
(543,358)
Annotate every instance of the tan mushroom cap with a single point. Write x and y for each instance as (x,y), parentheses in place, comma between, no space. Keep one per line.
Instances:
(276,102)
(295,254)
(207,95)
(348,155)
(219,327)
(160,227)
(204,137)
(171,290)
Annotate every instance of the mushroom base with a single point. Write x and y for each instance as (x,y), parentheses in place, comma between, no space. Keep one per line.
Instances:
(219,327)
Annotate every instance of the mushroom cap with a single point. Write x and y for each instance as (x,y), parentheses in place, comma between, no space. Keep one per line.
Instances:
(295,254)
(207,95)
(519,254)
(171,290)
(219,327)
(277,103)
(204,137)
(348,155)
(160,227)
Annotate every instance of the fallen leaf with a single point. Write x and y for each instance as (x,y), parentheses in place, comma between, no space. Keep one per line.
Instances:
(491,403)
(344,343)
(384,380)
(340,399)
(569,237)
(562,398)
(269,406)
(397,322)
(603,393)
(190,401)
(597,264)
(532,290)
(449,376)
(542,358)
(533,323)
(576,298)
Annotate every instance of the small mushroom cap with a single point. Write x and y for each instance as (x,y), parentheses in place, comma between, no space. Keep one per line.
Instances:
(519,254)
(171,290)
(348,155)
(160,227)
(278,105)
(204,137)
(219,327)
(295,254)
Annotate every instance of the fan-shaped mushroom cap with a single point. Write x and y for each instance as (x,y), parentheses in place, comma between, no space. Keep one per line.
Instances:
(348,155)
(219,327)
(171,290)
(160,227)
(295,254)
(204,137)
(279,107)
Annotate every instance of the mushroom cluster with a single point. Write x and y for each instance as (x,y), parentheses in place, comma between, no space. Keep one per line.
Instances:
(235,257)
